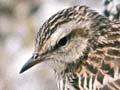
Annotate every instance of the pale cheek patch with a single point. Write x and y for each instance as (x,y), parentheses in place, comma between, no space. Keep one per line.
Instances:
(74,50)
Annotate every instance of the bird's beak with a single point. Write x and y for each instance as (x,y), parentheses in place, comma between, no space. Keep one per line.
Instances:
(31,62)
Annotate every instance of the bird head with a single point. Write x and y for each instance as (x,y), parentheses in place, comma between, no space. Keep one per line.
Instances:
(63,39)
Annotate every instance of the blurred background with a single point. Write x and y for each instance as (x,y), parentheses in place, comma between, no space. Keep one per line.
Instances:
(19,22)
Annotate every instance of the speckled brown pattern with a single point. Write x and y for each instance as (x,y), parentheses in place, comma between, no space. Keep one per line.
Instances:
(82,47)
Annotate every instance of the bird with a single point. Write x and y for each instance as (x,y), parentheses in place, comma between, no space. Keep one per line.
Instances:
(82,47)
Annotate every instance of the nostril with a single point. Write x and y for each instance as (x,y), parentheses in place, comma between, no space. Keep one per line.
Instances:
(35,56)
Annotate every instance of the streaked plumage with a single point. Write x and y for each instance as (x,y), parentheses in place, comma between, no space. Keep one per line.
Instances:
(82,47)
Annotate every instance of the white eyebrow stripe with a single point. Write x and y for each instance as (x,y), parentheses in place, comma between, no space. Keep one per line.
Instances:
(60,33)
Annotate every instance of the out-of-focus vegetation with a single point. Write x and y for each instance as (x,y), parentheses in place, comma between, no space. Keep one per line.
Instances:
(19,22)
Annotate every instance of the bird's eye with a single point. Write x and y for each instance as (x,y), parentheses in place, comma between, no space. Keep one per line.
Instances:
(63,41)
